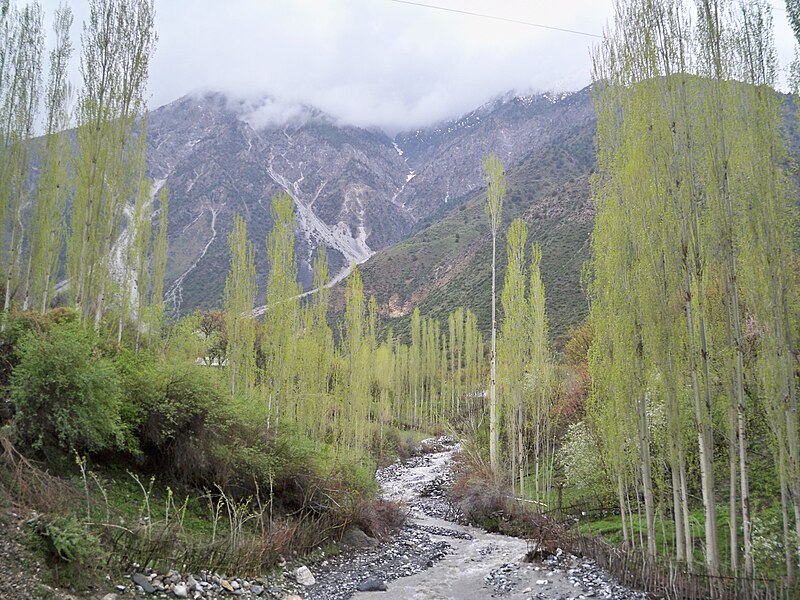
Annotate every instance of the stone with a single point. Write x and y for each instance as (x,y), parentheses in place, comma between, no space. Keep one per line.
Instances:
(180,591)
(292,597)
(143,582)
(191,583)
(257,590)
(111,597)
(226,585)
(372,584)
(356,538)
(303,576)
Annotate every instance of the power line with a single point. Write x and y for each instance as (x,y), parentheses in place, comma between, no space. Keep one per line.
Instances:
(519,21)
(496,18)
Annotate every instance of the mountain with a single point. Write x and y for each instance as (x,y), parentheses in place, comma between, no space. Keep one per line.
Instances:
(414,200)
(448,263)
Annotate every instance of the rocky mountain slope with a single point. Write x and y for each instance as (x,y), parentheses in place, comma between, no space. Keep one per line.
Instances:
(357,191)
(448,263)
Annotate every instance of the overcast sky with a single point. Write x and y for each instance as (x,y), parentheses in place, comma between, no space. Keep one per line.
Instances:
(374,62)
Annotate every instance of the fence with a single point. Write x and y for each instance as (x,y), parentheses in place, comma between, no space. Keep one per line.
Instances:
(660,577)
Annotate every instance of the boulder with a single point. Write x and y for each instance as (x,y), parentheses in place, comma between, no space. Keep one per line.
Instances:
(303,576)
(356,538)
(372,584)
(143,582)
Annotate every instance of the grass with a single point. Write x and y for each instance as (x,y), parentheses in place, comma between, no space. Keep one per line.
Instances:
(768,551)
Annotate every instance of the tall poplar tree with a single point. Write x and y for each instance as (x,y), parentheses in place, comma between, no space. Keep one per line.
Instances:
(282,318)
(495,193)
(20,103)
(514,349)
(688,193)
(240,296)
(118,40)
(47,222)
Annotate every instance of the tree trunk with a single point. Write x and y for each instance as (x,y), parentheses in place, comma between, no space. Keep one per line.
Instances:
(493,431)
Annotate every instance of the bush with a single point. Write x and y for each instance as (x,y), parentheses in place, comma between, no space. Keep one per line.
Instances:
(581,462)
(66,395)
(378,518)
(489,505)
(71,549)
(177,412)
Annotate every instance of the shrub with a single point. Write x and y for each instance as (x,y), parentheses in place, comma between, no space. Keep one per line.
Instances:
(72,550)
(378,517)
(581,462)
(65,394)
(486,503)
(179,415)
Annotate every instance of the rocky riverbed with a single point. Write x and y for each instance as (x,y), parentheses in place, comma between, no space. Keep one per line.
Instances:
(433,557)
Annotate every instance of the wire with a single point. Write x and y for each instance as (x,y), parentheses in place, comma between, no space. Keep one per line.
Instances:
(520,22)
(496,18)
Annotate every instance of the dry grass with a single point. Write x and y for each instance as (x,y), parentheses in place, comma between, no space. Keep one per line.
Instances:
(32,488)
(379,518)
(489,504)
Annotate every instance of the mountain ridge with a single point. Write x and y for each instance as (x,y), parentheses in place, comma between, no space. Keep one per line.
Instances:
(357,191)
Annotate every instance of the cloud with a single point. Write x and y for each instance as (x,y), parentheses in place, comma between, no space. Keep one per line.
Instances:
(274,112)
(370,63)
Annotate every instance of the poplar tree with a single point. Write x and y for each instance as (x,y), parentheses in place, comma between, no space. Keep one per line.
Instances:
(356,350)
(495,193)
(118,40)
(320,353)
(240,296)
(22,58)
(154,311)
(47,222)
(538,381)
(514,348)
(281,320)
(691,205)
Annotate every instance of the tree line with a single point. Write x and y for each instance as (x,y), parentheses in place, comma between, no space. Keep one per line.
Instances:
(76,205)
(693,277)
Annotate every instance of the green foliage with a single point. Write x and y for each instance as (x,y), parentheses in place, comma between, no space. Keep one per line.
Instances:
(180,417)
(581,461)
(72,549)
(67,395)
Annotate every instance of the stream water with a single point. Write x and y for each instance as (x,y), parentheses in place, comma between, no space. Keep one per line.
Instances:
(478,564)
(432,557)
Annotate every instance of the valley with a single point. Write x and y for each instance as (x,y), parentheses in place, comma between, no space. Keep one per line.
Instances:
(345,317)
